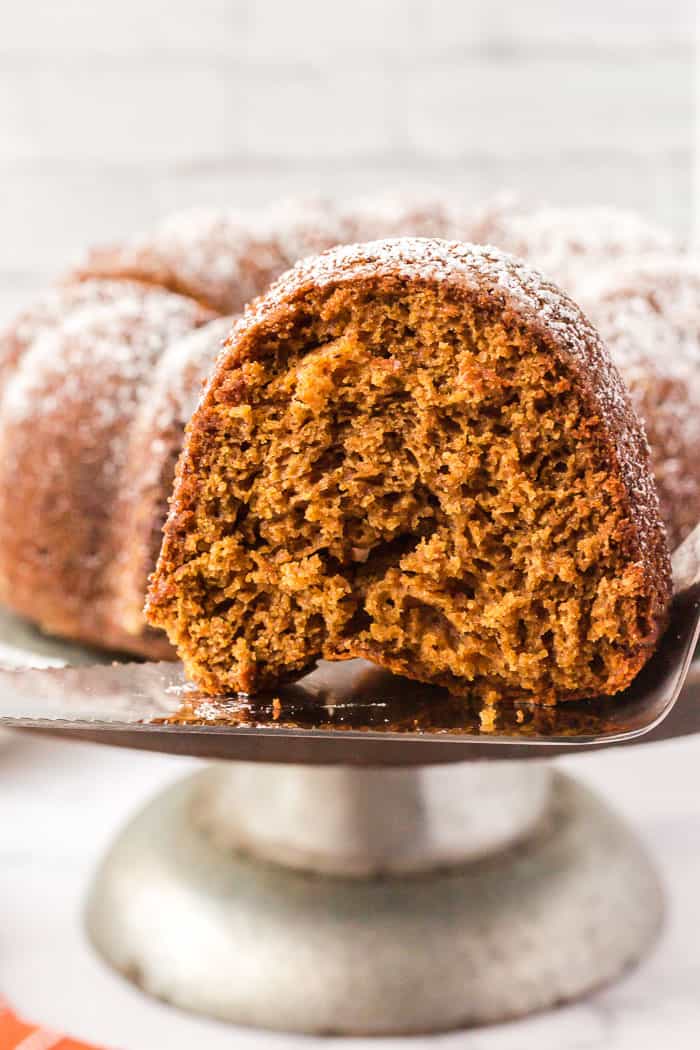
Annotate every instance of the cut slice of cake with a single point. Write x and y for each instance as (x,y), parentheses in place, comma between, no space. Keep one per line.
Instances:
(417,452)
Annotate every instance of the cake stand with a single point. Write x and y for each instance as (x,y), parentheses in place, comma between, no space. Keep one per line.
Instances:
(355,890)
(339,901)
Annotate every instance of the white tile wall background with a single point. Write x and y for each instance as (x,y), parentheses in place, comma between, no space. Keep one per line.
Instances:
(113,113)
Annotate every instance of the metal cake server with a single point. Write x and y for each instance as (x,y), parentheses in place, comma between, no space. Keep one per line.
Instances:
(356,713)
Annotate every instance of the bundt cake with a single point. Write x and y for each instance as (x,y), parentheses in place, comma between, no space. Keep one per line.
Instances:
(417,452)
(61,563)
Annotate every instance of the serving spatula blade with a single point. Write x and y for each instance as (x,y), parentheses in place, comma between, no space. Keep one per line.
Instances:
(354,712)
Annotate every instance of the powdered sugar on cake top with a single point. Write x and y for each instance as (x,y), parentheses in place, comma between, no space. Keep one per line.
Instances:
(227,257)
(648,312)
(52,309)
(568,243)
(650,306)
(118,341)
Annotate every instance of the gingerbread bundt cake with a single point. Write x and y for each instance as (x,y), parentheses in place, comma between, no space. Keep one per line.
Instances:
(417,452)
(64,470)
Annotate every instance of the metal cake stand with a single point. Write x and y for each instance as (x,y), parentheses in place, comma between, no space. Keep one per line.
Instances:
(353,869)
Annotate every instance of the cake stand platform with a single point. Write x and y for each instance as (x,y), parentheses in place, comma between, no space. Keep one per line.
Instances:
(335,901)
(333,897)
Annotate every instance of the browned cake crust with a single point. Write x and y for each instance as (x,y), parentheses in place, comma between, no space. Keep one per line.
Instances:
(642,292)
(418,452)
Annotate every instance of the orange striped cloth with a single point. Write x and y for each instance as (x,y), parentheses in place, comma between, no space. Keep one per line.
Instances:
(19,1035)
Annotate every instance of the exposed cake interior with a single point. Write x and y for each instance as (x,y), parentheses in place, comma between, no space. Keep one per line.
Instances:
(397,473)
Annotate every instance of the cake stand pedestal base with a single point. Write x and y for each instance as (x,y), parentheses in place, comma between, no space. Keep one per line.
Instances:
(343,901)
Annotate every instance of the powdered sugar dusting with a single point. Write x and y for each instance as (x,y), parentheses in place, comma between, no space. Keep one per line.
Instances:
(648,311)
(568,244)
(182,370)
(226,258)
(176,386)
(415,214)
(648,305)
(51,309)
(118,340)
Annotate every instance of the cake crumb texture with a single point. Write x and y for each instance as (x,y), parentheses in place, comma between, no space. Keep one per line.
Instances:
(418,452)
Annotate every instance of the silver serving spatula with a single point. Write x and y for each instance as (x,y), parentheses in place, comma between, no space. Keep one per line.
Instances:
(356,713)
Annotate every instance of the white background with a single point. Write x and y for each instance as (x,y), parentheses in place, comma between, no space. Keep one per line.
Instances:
(114,113)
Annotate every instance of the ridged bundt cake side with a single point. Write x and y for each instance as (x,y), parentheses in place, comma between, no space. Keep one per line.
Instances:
(65,414)
(648,312)
(154,444)
(379,216)
(50,310)
(417,452)
(221,258)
